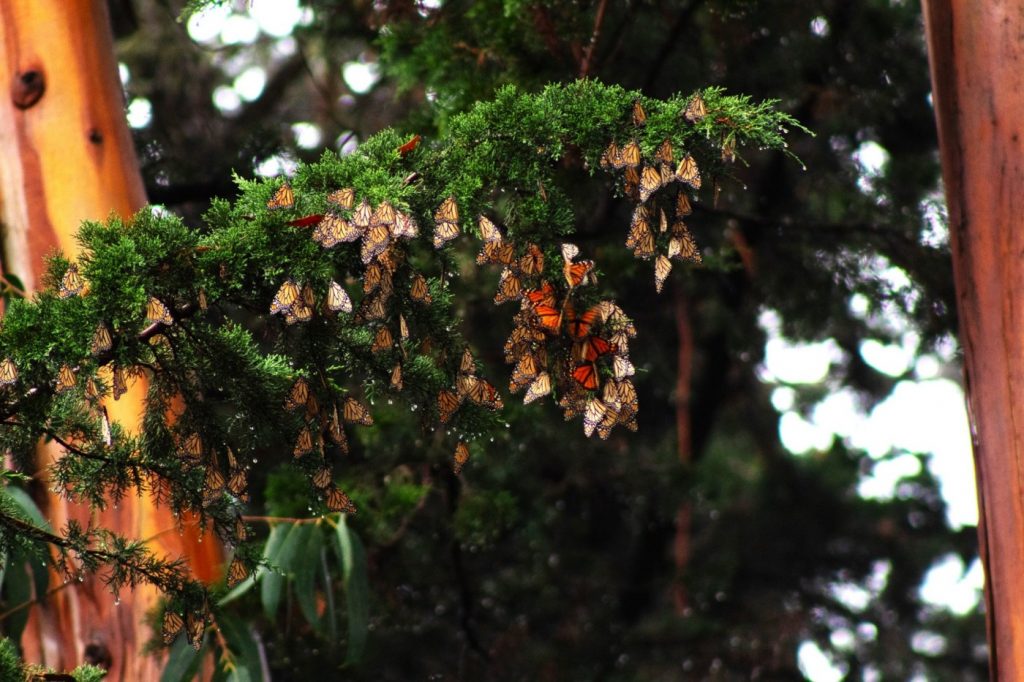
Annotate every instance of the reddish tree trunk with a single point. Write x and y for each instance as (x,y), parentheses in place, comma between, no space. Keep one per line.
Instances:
(66,156)
(977,66)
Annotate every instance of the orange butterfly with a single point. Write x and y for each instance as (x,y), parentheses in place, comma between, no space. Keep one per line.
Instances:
(355,412)
(579,326)
(593,347)
(682,244)
(285,297)
(237,572)
(361,216)
(405,226)
(333,230)
(639,115)
(338,299)
(323,478)
(101,340)
(586,376)
(549,318)
(120,387)
(496,253)
(157,312)
(446,222)
(375,241)
(650,182)
(344,197)
(510,288)
(532,262)
(71,284)
(396,377)
(171,626)
(409,146)
(384,215)
(460,458)
(283,198)
(545,295)
(683,207)
(306,220)
(447,404)
(523,373)
(594,413)
(338,501)
(665,154)
(65,378)
(662,268)
(419,290)
(382,341)
(540,387)
(687,172)
(576,273)
(489,232)
(695,109)
(298,395)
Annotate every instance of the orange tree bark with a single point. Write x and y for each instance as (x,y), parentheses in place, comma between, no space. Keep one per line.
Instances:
(66,156)
(977,65)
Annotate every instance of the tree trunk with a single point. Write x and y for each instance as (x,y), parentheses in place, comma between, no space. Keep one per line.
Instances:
(66,156)
(976,57)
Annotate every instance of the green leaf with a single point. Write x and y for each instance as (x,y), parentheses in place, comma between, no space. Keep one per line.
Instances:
(280,546)
(182,662)
(353,565)
(307,564)
(18,591)
(244,650)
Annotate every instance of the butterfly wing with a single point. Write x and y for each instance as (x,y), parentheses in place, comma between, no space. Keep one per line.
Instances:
(284,197)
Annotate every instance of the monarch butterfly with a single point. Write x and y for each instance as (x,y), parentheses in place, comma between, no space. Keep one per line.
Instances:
(202,300)
(355,412)
(665,154)
(157,312)
(405,226)
(510,288)
(446,222)
(532,262)
(105,432)
(71,284)
(195,628)
(119,385)
(631,183)
(337,298)
(594,412)
(304,221)
(729,149)
(323,478)
(338,501)
(682,244)
(447,404)
(65,378)
(213,485)
(373,308)
(237,572)
(384,215)
(521,341)
(695,109)
(382,340)
(300,312)
(409,146)
(662,268)
(238,483)
(688,172)
(373,277)
(403,328)
(683,207)
(285,297)
(467,365)
(579,326)
(549,318)
(304,443)
(489,232)
(419,291)
(335,431)
(344,197)
(612,156)
(284,197)
(375,241)
(586,376)
(298,395)
(333,230)
(460,457)
(622,367)
(545,295)
(192,448)
(575,273)
(650,182)
(540,387)
(101,341)
(523,373)
(497,253)
(639,115)
(91,392)
(396,377)
(641,240)
(363,214)
(481,392)
(171,626)
(593,347)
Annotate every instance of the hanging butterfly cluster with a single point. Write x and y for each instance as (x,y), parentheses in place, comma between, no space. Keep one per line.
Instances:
(553,346)
(643,182)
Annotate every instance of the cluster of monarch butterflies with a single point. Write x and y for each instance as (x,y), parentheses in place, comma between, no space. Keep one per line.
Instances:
(553,346)
(193,623)
(643,182)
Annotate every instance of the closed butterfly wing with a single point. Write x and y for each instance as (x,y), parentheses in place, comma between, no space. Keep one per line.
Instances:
(447,404)
(382,340)
(338,501)
(639,224)
(172,624)
(688,172)
(489,232)
(65,378)
(344,197)
(419,290)
(384,215)
(106,434)
(545,295)
(120,386)
(375,241)
(72,283)
(532,262)
(334,230)
(510,288)
(497,253)
(101,340)
(285,297)
(594,411)
(405,227)
(682,245)
(683,206)
(612,156)
(523,373)
(446,222)
(396,377)
(338,299)
(362,215)
(549,318)
(460,457)
(665,154)
(237,572)
(578,326)
(284,197)
(355,412)
(304,443)
(586,376)
(323,478)
(195,628)
(631,154)
(403,328)
(696,109)
(539,387)
(300,312)
(622,367)
(372,308)
(157,312)
(298,395)
(639,115)
(662,268)
(650,182)
(644,247)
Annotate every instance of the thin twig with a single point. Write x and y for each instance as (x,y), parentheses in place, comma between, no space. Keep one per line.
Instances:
(588,52)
